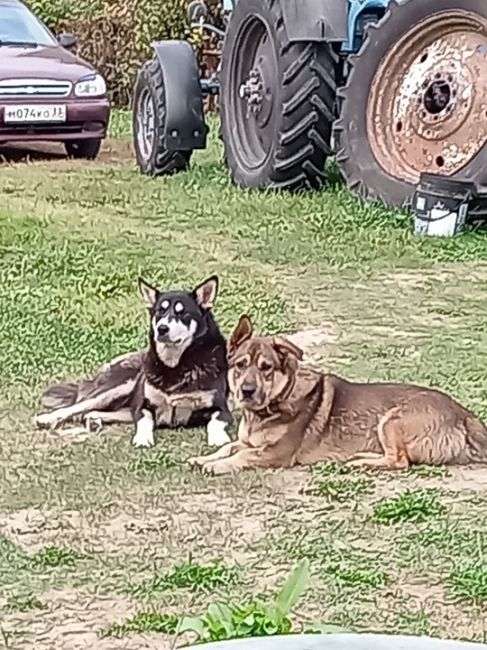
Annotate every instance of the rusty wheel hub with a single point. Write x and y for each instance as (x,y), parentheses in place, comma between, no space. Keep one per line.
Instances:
(427,109)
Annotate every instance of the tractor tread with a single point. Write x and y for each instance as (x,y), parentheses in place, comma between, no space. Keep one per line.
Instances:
(299,129)
(307,86)
(161,162)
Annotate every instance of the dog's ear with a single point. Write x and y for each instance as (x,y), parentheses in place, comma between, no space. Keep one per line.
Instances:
(285,348)
(240,334)
(206,292)
(148,293)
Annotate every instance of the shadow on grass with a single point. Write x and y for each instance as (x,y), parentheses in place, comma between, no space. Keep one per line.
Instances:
(29,152)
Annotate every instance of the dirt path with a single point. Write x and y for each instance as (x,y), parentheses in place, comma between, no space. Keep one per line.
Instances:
(114,151)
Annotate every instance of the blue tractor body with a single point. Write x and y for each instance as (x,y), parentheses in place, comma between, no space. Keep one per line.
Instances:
(361,12)
(356,13)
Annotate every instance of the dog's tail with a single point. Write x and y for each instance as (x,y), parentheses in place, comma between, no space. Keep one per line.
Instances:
(60,396)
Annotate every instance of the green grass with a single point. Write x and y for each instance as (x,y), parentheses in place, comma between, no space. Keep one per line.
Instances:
(411,505)
(469,583)
(342,489)
(120,124)
(51,557)
(91,526)
(356,577)
(143,622)
(23,603)
(189,575)
(424,471)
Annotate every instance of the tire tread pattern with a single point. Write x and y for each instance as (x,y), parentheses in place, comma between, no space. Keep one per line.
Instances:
(162,161)
(308,92)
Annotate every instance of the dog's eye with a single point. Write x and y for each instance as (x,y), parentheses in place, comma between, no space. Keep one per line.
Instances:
(265,367)
(240,364)
(164,305)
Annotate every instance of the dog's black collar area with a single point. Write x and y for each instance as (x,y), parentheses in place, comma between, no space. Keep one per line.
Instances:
(274,407)
(278,404)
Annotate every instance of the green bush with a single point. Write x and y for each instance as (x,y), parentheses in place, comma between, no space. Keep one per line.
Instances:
(116,35)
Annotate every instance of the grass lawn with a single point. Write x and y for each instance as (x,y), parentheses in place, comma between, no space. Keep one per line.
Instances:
(105,546)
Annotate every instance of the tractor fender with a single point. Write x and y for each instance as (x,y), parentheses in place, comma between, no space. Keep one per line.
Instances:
(184,125)
(316,20)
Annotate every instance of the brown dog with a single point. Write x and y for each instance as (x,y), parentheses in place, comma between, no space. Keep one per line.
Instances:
(297,416)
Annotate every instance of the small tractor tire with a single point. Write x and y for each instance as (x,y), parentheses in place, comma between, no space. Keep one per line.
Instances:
(277,101)
(149,113)
(415,100)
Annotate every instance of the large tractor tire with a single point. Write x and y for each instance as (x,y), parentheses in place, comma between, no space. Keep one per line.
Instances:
(416,100)
(149,114)
(277,101)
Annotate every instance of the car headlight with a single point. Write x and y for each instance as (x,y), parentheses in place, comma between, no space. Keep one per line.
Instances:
(91,86)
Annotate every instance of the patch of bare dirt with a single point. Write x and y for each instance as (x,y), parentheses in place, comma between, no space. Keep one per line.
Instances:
(113,151)
(204,518)
(449,273)
(29,528)
(74,619)
(33,529)
(462,479)
(311,339)
(407,599)
(117,150)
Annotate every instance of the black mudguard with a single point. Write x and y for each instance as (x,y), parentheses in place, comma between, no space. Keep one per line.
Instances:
(185,127)
(316,20)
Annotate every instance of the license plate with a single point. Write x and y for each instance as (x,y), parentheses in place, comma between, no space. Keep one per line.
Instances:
(35,113)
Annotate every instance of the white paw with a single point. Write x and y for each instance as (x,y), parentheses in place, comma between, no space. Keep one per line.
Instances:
(143,439)
(45,419)
(217,431)
(144,432)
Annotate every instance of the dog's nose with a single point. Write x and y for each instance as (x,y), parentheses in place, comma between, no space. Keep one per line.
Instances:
(162,330)
(248,391)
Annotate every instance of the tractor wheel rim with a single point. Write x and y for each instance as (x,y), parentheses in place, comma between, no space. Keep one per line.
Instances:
(427,108)
(146,124)
(253,77)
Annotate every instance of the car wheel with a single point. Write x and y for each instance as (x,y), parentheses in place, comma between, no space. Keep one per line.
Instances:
(87,149)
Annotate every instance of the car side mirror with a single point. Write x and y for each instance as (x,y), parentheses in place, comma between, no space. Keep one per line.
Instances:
(67,41)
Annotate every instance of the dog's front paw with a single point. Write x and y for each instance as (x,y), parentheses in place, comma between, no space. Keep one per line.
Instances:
(217,431)
(218,467)
(45,420)
(143,439)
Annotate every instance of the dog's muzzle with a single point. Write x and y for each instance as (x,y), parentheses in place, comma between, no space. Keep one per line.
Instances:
(250,395)
(163,334)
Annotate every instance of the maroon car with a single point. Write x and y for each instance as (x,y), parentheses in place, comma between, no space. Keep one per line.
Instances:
(46,92)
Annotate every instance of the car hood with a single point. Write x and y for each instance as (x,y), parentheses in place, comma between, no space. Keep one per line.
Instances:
(41,63)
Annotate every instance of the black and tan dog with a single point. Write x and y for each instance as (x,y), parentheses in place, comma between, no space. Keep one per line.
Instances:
(180,380)
(297,416)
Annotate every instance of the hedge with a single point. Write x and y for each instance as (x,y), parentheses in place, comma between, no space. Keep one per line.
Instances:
(116,35)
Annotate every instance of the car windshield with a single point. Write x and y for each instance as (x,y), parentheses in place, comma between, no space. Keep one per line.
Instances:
(18,26)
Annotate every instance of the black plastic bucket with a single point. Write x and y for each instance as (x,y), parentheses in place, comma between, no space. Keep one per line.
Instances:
(441,205)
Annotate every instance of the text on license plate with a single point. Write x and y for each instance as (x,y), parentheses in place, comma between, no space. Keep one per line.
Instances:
(35,113)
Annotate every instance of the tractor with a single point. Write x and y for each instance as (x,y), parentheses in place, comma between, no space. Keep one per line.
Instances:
(392,89)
